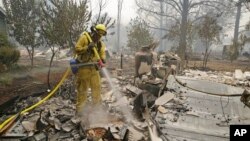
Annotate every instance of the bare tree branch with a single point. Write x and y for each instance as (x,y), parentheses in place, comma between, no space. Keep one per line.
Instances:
(158,13)
(175,5)
(207,2)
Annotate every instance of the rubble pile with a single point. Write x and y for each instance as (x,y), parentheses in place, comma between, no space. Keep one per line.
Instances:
(194,105)
(55,119)
(238,78)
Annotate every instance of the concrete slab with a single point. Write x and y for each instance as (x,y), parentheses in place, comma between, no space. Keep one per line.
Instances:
(209,86)
(209,116)
(134,89)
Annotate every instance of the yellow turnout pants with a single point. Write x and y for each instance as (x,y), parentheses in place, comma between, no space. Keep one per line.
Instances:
(87,77)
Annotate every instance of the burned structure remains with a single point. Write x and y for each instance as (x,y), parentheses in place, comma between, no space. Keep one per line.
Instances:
(157,102)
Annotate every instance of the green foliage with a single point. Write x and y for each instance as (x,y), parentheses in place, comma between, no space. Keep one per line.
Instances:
(63,21)
(248,26)
(209,33)
(174,35)
(3,40)
(6,79)
(138,34)
(9,56)
(233,51)
(22,18)
(243,38)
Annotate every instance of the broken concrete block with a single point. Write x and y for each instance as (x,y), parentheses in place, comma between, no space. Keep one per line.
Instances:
(247,75)
(68,126)
(123,132)
(76,135)
(116,136)
(199,73)
(140,125)
(76,120)
(29,126)
(153,133)
(178,101)
(238,74)
(144,78)
(57,124)
(134,89)
(166,97)
(240,83)
(63,135)
(114,129)
(189,74)
(228,73)
(213,76)
(162,110)
(40,137)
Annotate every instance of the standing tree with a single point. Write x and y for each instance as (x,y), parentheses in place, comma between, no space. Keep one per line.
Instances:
(62,22)
(174,35)
(209,34)
(244,39)
(138,34)
(23,20)
(183,12)
(237,45)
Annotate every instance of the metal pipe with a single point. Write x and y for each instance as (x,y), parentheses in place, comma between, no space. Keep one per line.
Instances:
(84,64)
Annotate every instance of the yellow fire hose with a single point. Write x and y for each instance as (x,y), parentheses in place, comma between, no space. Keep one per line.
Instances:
(37,104)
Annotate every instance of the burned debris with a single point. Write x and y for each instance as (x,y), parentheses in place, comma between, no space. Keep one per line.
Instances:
(161,103)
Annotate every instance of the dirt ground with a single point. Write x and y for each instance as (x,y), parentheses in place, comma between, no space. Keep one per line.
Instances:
(25,81)
(222,65)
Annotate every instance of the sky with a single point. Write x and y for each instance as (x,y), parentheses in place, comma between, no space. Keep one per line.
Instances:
(128,9)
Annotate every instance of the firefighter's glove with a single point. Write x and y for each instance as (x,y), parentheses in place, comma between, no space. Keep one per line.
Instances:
(100,64)
(91,46)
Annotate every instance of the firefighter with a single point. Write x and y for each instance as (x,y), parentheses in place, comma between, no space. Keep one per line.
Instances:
(88,76)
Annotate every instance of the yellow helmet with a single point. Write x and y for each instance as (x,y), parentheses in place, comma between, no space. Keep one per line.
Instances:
(101,28)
